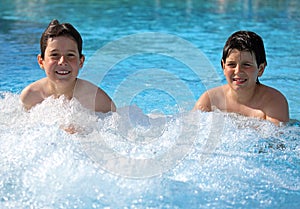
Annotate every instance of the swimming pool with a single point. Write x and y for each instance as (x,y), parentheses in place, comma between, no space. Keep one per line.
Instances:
(154,58)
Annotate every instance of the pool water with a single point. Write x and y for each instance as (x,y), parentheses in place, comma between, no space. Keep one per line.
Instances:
(154,58)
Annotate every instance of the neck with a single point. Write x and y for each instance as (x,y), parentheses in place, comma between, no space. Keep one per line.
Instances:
(58,90)
(244,96)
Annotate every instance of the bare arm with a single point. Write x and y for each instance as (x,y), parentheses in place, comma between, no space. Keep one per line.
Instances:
(30,97)
(276,108)
(93,97)
(203,103)
(103,102)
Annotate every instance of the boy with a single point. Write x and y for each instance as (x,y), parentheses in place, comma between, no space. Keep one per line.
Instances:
(61,58)
(243,61)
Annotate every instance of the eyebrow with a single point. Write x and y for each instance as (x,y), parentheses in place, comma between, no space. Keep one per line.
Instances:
(229,60)
(69,50)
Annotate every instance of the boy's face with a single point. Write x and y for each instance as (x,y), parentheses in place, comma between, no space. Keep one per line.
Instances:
(61,62)
(241,70)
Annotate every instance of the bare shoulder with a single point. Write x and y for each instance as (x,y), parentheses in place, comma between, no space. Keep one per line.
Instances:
(84,83)
(93,97)
(272,95)
(32,94)
(85,87)
(275,104)
(209,98)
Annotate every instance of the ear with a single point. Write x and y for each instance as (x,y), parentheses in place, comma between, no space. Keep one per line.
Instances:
(261,69)
(81,61)
(40,61)
(223,64)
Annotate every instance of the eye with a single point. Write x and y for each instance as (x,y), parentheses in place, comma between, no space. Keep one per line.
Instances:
(247,64)
(54,55)
(71,55)
(231,64)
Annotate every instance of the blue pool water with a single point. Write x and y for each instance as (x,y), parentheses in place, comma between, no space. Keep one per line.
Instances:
(154,58)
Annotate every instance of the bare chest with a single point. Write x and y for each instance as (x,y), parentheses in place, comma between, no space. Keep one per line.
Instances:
(251,110)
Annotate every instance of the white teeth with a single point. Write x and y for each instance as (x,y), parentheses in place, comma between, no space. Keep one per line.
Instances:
(239,79)
(62,72)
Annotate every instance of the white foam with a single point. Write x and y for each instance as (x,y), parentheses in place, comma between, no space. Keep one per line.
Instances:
(210,157)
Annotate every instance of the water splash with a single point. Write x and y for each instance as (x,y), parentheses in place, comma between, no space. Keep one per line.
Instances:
(251,164)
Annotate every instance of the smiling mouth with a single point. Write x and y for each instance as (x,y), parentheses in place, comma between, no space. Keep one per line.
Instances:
(239,80)
(62,72)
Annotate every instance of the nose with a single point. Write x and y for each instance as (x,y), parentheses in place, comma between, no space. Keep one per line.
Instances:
(237,69)
(62,60)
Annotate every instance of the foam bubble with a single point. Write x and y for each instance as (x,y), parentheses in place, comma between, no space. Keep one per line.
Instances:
(43,166)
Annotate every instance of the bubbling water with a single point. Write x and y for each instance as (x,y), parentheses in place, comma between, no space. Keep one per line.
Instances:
(191,159)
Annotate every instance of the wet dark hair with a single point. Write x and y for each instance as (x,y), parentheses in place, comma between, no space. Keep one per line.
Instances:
(246,41)
(55,29)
